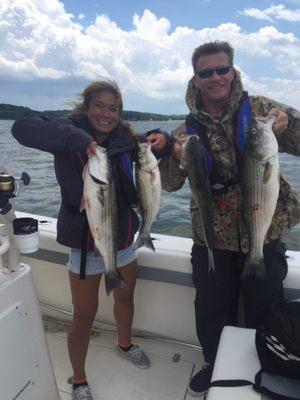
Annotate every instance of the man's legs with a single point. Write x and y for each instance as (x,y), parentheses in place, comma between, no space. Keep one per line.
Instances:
(262,295)
(216,305)
(216,298)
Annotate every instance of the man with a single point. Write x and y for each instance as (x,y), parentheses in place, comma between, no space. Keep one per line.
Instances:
(214,96)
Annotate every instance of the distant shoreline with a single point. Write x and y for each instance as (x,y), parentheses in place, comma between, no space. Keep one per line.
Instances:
(12,112)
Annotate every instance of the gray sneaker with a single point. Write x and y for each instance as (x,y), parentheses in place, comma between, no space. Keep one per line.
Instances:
(82,393)
(135,355)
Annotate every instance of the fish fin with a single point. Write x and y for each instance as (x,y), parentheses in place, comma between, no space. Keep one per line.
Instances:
(97,252)
(113,280)
(267,172)
(255,269)
(82,204)
(211,262)
(144,241)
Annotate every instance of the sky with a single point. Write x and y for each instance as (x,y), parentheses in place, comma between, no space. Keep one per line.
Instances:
(50,49)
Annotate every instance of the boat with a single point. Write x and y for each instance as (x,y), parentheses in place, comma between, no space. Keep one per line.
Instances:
(163,326)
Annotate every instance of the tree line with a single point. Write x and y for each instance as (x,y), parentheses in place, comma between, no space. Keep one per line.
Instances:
(12,112)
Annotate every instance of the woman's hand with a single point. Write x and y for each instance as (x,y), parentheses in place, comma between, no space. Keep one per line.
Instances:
(281,120)
(158,140)
(91,150)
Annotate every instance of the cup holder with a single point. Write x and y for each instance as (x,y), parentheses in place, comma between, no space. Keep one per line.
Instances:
(26,235)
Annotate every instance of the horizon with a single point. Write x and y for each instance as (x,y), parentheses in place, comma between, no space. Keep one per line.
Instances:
(50,49)
(71,109)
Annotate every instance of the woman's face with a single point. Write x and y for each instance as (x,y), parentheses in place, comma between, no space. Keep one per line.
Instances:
(103,112)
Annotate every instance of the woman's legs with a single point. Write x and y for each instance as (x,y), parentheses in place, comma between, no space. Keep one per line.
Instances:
(124,304)
(85,303)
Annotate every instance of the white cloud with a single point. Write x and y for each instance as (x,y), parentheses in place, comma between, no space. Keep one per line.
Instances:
(281,90)
(81,16)
(278,12)
(42,45)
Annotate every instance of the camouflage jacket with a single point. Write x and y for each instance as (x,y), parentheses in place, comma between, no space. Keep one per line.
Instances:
(229,226)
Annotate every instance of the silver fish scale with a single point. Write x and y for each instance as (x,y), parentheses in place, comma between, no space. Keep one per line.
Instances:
(259,194)
(149,189)
(148,194)
(195,166)
(101,210)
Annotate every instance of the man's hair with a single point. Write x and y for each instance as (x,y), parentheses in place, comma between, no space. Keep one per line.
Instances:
(212,48)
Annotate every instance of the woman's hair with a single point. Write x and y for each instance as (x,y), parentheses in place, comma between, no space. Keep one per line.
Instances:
(107,85)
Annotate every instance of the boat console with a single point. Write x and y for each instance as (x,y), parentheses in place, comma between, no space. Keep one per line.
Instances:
(26,371)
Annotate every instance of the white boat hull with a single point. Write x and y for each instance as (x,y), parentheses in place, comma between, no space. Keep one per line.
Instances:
(164,297)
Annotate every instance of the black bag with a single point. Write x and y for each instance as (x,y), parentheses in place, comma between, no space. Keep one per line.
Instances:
(278,349)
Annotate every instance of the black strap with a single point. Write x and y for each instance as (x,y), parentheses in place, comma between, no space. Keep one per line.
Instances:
(83,248)
(277,387)
(216,178)
(230,383)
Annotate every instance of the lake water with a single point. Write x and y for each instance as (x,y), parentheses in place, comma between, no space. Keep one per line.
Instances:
(42,196)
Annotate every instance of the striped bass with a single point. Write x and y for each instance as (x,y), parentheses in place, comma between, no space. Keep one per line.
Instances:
(99,202)
(193,162)
(260,189)
(149,189)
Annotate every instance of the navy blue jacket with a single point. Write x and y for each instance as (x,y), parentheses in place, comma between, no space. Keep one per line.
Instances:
(67,139)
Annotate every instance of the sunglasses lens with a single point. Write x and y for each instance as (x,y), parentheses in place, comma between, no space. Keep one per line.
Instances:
(223,69)
(205,73)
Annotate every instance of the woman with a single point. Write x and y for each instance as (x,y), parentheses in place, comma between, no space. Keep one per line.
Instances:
(97,120)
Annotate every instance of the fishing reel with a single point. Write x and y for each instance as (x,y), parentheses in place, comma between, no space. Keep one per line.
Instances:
(9,188)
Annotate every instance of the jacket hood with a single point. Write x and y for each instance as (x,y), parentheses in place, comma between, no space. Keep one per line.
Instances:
(118,141)
(195,103)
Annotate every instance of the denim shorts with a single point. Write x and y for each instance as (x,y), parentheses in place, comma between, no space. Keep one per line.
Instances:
(95,265)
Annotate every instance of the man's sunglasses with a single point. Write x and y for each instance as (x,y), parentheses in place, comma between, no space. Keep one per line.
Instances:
(207,73)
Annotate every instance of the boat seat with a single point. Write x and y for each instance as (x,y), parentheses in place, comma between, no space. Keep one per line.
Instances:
(236,359)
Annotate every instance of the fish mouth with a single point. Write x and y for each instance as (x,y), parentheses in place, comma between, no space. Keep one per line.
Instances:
(261,119)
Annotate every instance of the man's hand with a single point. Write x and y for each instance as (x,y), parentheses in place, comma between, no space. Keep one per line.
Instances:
(281,121)
(158,140)
(177,150)
(91,150)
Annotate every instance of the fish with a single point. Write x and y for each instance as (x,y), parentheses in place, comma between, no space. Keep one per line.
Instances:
(148,184)
(260,182)
(99,202)
(193,162)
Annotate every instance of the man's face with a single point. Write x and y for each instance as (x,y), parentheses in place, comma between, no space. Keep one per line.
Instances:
(216,88)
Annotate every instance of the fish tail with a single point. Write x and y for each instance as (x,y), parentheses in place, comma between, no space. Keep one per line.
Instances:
(211,262)
(112,280)
(144,240)
(260,270)
(254,268)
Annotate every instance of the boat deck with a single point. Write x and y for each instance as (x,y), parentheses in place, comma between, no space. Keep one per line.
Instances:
(111,377)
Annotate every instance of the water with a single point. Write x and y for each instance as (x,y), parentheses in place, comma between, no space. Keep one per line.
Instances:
(43,195)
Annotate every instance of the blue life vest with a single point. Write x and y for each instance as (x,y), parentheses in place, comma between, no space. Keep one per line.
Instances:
(241,121)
